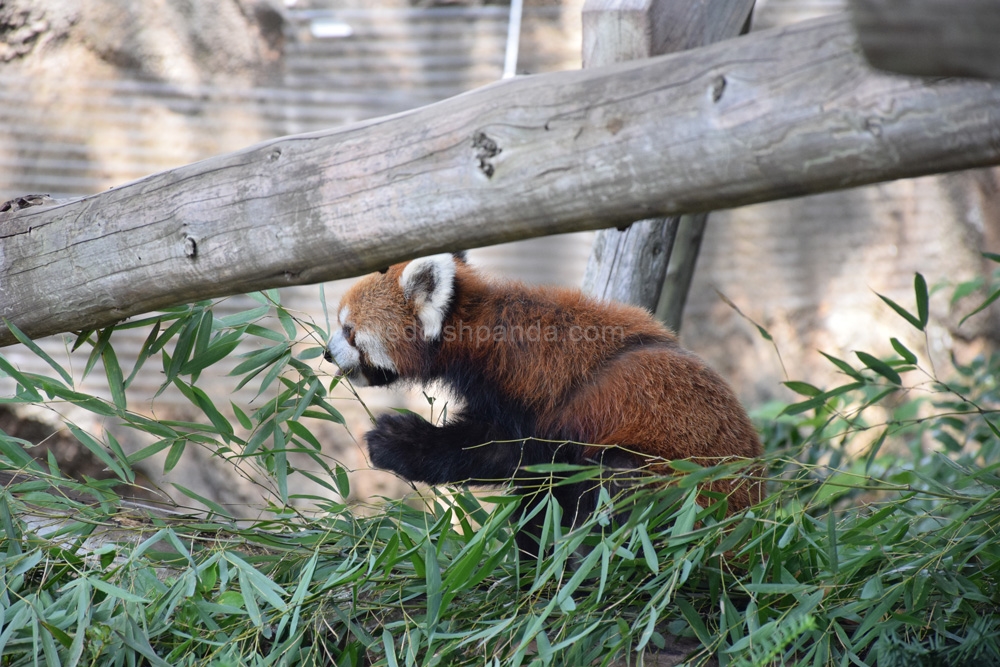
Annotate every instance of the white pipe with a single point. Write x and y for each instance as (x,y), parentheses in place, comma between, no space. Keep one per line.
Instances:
(513,38)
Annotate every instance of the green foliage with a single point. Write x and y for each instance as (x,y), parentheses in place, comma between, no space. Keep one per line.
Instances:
(877,544)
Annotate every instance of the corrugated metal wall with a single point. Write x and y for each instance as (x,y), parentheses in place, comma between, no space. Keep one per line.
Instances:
(392,60)
(76,136)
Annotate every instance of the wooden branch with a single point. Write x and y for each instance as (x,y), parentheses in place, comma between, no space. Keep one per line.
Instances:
(620,30)
(931,37)
(630,265)
(680,271)
(770,115)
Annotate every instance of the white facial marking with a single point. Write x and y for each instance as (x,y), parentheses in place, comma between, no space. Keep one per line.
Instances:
(430,282)
(374,349)
(347,358)
(344,355)
(344,313)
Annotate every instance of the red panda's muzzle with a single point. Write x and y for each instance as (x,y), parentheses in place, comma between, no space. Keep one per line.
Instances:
(356,363)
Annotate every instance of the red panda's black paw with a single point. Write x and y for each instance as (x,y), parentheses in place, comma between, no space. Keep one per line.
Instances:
(397,443)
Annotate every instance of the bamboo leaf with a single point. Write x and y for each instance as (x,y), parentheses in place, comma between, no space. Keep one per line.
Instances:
(820,399)
(150,450)
(965,288)
(29,389)
(98,450)
(211,504)
(993,427)
(250,599)
(902,312)
(432,577)
(241,416)
(116,382)
(269,591)
(843,366)
(803,388)
(390,648)
(343,481)
(258,359)
(876,446)
(300,431)
(315,387)
(648,552)
(264,332)
(182,349)
(102,341)
(280,462)
(144,352)
(114,591)
(214,353)
(274,372)
(200,399)
(13,449)
(174,455)
(120,456)
(91,403)
(287,323)
(204,334)
(880,367)
(922,297)
(299,596)
(167,334)
(694,621)
(246,317)
(684,523)
(736,536)
(983,306)
(311,353)
(37,351)
(902,351)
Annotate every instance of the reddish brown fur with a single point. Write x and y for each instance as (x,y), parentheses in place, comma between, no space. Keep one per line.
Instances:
(633,386)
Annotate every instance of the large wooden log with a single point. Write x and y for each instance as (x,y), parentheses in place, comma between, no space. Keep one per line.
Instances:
(770,115)
(931,37)
(630,265)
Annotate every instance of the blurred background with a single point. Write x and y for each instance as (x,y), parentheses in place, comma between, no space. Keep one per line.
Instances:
(97,93)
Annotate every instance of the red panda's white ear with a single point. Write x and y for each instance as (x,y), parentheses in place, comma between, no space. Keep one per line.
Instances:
(429,282)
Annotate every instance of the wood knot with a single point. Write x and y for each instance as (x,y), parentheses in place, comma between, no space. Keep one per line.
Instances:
(190,247)
(486,149)
(27,201)
(718,87)
(873,126)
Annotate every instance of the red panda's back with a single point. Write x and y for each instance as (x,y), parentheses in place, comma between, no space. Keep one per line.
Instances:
(540,345)
(663,402)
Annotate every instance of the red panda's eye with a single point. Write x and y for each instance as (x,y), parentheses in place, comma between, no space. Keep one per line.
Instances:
(348,332)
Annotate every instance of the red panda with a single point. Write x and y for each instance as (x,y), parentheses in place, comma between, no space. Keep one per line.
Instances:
(537,369)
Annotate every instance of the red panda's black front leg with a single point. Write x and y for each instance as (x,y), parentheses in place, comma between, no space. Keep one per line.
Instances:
(461,451)
(468,452)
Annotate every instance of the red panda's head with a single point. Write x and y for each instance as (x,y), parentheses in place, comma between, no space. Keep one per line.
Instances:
(386,321)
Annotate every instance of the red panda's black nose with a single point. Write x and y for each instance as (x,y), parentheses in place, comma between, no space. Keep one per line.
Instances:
(328,355)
